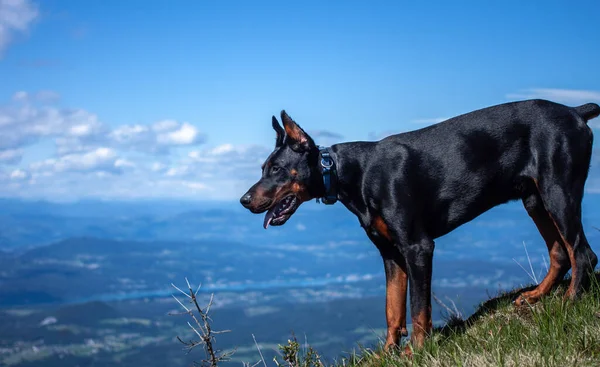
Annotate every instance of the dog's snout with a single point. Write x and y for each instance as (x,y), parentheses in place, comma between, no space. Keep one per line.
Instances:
(246,199)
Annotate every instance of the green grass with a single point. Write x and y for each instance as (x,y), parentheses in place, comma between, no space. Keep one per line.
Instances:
(553,332)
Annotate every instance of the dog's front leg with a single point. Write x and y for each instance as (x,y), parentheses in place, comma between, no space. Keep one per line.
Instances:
(419,258)
(395,300)
(396,283)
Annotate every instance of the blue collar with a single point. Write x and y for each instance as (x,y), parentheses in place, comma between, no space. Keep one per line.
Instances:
(329,172)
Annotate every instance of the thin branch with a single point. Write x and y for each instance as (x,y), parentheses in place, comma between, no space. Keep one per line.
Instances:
(259,352)
(182,305)
(196,331)
(210,302)
(184,293)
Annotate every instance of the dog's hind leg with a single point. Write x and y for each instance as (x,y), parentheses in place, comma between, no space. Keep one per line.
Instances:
(559,258)
(563,204)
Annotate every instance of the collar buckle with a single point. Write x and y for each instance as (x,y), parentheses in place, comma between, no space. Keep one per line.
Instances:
(329,173)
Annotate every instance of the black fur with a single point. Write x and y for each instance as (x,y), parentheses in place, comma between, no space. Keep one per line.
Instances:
(425,183)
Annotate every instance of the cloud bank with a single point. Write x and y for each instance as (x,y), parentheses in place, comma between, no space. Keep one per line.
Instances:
(16,17)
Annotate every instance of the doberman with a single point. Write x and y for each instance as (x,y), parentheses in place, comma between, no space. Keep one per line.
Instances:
(411,188)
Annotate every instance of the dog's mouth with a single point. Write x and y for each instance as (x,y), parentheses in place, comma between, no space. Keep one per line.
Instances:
(281,211)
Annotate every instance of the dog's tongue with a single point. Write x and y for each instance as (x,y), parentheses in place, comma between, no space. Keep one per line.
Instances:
(269,216)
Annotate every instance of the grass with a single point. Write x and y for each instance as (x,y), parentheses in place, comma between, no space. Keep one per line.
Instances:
(553,332)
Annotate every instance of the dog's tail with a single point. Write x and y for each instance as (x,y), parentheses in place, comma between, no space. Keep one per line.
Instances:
(588,111)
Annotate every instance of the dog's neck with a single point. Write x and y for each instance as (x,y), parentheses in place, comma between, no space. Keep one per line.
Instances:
(347,158)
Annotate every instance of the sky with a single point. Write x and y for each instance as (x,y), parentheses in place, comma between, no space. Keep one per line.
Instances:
(127,100)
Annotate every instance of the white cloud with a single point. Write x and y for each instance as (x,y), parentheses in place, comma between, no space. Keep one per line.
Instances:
(16,16)
(156,138)
(124,163)
(40,96)
(20,96)
(165,125)
(93,159)
(185,134)
(177,171)
(567,96)
(100,159)
(11,156)
(227,160)
(158,166)
(96,160)
(31,117)
(24,122)
(194,185)
(67,186)
(221,149)
(19,174)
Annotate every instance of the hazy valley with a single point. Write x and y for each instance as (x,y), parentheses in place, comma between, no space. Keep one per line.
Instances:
(89,284)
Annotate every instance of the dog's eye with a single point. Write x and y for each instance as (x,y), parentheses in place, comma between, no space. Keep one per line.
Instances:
(275,169)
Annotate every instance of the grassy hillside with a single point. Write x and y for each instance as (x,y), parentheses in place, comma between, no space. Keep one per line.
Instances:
(553,332)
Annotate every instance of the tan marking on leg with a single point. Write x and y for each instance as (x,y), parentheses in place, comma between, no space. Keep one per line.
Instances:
(553,241)
(379,224)
(568,246)
(395,308)
(421,327)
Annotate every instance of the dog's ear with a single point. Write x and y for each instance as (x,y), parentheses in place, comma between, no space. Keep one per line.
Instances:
(279,131)
(296,137)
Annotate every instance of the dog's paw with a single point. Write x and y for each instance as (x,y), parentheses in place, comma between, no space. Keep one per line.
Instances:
(526,298)
(408,352)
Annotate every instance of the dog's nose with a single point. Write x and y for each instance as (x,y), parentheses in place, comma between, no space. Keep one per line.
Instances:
(246,199)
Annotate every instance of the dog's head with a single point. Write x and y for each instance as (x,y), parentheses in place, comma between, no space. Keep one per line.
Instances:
(290,175)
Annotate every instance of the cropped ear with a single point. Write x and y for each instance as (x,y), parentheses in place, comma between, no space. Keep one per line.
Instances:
(296,137)
(279,131)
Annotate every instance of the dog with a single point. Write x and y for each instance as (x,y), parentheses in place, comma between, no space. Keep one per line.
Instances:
(411,188)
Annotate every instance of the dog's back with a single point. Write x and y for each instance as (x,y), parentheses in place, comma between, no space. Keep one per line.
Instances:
(457,169)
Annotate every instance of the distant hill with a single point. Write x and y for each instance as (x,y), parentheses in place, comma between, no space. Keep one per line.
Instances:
(79,314)
(25,224)
(98,208)
(22,226)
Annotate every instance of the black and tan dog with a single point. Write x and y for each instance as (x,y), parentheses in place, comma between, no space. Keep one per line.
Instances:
(409,189)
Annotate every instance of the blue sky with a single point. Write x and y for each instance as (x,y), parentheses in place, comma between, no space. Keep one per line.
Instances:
(136,99)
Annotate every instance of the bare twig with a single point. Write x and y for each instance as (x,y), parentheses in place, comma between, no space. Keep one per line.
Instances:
(203,329)
(259,351)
